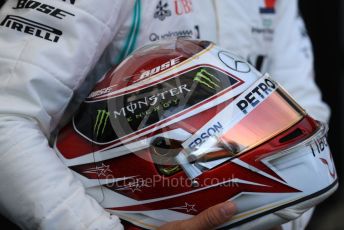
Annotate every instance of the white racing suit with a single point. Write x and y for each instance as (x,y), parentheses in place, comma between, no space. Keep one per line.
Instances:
(49,48)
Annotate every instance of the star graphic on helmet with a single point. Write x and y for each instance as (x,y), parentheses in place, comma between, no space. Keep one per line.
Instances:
(243,178)
(187,207)
(135,186)
(190,207)
(102,170)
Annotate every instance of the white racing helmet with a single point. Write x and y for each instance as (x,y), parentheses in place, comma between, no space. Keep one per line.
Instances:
(183,125)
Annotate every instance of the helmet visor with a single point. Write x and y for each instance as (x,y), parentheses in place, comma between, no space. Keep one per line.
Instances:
(277,113)
(260,113)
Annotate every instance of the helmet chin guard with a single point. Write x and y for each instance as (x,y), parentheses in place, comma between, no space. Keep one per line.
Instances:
(182,125)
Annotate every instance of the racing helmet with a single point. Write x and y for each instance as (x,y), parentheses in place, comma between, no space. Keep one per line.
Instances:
(182,125)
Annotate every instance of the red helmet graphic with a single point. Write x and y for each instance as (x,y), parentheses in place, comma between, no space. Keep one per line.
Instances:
(180,126)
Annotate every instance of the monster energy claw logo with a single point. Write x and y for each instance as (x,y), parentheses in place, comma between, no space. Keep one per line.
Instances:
(101,121)
(207,79)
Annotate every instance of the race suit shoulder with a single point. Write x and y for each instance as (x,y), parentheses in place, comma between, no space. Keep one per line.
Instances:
(47,48)
(53,50)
